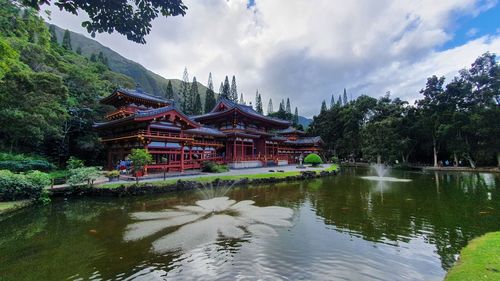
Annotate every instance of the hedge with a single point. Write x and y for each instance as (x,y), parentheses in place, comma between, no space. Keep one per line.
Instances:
(22,186)
(26,165)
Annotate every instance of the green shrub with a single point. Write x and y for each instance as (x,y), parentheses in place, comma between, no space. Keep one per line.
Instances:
(22,186)
(26,165)
(85,175)
(140,158)
(212,167)
(17,157)
(112,174)
(74,163)
(313,159)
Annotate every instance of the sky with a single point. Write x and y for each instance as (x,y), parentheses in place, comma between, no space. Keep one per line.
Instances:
(309,50)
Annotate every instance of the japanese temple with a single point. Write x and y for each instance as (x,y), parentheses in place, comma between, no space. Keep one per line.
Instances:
(232,133)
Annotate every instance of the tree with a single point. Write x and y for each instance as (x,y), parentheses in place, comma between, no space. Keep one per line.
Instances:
(332,102)
(209,95)
(242,101)
(66,42)
(226,89)
(339,101)
(195,99)
(258,103)
(296,117)
(140,158)
(53,36)
(93,57)
(221,89)
(185,91)
(288,107)
(132,19)
(345,97)
(323,107)
(79,51)
(233,91)
(169,92)
(270,109)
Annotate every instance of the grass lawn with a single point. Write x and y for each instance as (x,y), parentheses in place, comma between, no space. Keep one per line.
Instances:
(210,178)
(12,205)
(479,260)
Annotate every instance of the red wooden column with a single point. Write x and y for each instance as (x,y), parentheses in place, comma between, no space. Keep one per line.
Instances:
(242,150)
(234,149)
(182,157)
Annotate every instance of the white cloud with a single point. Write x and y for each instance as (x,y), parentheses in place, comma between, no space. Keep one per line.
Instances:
(307,50)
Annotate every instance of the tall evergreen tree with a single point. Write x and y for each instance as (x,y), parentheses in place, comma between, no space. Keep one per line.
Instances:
(288,107)
(221,89)
(233,90)
(79,50)
(332,102)
(339,101)
(53,36)
(169,93)
(209,95)
(282,106)
(323,107)
(194,99)
(258,105)
(270,108)
(345,97)
(185,91)
(242,101)
(226,89)
(66,42)
(296,117)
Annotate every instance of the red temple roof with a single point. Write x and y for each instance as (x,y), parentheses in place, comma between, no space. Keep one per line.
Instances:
(138,96)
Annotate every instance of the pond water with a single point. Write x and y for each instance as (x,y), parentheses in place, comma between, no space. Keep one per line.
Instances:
(341,227)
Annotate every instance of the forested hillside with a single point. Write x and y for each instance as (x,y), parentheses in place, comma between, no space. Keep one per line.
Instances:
(149,81)
(49,94)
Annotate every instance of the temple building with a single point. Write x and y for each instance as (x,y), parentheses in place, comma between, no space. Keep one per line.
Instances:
(231,133)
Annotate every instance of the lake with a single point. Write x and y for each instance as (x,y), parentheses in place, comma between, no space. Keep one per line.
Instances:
(334,228)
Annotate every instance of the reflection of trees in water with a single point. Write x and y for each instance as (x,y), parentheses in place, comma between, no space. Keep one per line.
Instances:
(400,211)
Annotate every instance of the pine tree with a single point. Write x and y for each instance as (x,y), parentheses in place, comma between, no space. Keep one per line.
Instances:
(332,102)
(339,101)
(233,90)
(209,95)
(296,117)
(226,89)
(345,97)
(185,91)
(169,93)
(258,105)
(288,107)
(242,101)
(282,106)
(221,88)
(53,36)
(323,107)
(79,50)
(270,107)
(66,42)
(194,99)
(93,57)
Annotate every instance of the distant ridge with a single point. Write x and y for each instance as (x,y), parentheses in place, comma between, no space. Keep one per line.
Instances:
(149,81)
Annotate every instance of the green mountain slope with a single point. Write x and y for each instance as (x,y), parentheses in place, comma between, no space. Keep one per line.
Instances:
(149,81)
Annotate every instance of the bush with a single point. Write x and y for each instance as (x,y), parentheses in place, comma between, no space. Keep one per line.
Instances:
(313,159)
(212,167)
(140,158)
(83,175)
(112,174)
(74,163)
(22,186)
(26,165)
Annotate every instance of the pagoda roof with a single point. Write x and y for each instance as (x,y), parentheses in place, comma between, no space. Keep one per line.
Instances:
(225,106)
(205,131)
(290,130)
(305,141)
(150,114)
(136,94)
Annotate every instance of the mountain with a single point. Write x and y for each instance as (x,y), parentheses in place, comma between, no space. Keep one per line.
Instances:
(304,121)
(148,80)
